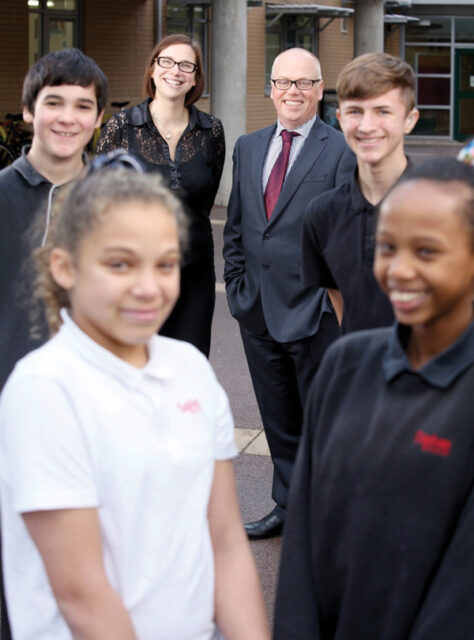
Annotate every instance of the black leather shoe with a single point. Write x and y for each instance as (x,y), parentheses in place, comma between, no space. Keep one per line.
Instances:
(269,526)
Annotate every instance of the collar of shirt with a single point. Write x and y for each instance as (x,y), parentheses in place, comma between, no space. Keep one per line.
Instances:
(439,372)
(303,130)
(102,358)
(29,173)
(140,115)
(275,146)
(359,202)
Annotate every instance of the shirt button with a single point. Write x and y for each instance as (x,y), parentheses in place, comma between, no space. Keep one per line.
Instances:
(266,266)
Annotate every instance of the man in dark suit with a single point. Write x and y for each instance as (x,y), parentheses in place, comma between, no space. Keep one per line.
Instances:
(285,325)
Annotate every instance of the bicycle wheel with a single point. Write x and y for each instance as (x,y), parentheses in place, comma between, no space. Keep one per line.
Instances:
(6,156)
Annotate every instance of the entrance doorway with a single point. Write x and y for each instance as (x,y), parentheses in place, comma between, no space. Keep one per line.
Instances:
(463,94)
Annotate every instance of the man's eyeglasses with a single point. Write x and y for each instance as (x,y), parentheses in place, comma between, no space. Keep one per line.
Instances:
(303,84)
(168,63)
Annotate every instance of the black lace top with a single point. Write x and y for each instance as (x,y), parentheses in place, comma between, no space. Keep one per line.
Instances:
(193,175)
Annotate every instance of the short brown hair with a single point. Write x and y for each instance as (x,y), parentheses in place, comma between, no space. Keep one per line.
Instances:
(176,38)
(65,66)
(372,74)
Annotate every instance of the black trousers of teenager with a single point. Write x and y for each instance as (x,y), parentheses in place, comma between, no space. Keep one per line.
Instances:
(191,319)
(281,374)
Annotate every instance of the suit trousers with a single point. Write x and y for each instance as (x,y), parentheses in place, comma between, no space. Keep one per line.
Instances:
(281,375)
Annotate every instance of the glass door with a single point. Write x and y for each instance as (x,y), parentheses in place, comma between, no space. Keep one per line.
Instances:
(464,94)
(53,25)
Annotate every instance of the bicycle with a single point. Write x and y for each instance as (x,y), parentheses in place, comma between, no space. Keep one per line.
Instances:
(14,133)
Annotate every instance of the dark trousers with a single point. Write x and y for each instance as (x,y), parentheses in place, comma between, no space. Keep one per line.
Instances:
(281,374)
(191,319)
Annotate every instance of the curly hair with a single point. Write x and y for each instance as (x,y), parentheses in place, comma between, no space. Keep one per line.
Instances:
(455,177)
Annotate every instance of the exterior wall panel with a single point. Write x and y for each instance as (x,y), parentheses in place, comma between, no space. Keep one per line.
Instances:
(119,36)
(13,54)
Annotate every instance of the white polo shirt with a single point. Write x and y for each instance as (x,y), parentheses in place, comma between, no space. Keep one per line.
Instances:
(81,428)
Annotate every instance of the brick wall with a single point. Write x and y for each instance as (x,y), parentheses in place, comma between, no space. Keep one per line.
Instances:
(119,36)
(335,49)
(260,110)
(13,54)
(392,40)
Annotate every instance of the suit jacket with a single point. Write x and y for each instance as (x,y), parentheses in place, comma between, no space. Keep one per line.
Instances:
(263,257)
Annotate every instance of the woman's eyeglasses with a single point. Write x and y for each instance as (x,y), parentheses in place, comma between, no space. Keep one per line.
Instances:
(168,63)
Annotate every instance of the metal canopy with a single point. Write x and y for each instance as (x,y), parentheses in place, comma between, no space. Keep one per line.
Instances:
(398,3)
(321,10)
(397,18)
(316,10)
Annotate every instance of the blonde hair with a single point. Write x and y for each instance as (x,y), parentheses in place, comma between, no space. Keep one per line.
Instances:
(80,211)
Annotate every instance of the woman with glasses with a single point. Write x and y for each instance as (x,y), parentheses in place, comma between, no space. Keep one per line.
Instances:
(171,136)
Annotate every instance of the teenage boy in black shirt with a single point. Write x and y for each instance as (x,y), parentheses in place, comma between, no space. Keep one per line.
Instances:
(64,94)
(376,110)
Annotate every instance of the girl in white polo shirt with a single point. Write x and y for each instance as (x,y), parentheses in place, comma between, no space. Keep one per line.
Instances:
(119,511)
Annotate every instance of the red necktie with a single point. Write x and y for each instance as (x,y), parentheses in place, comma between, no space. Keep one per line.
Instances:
(277,175)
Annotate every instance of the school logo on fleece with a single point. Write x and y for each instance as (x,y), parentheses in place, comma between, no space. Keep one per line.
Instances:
(190,406)
(432,443)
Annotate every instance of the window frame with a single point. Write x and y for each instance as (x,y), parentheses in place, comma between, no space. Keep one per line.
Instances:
(283,26)
(187,25)
(47,15)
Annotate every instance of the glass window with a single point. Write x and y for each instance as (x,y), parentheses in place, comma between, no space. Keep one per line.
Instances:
(61,34)
(272,49)
(464,29)
(466,117)
(432,60)
(432,122)
(288,31)
(53,25)
(304,40)
(63,5)
(438,30)
(466,73)
(192,20)
(434,91)
(35,44)
(55,5)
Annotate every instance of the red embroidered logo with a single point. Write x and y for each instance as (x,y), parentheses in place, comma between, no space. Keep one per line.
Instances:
(432,443)
(191,406)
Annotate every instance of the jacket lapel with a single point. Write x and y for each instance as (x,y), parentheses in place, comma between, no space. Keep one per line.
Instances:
(314,145)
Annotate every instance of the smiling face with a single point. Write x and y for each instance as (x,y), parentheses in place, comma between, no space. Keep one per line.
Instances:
(424,258)
(173,83)
(124,281)
(374,128)
(293,106)
(64,120)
